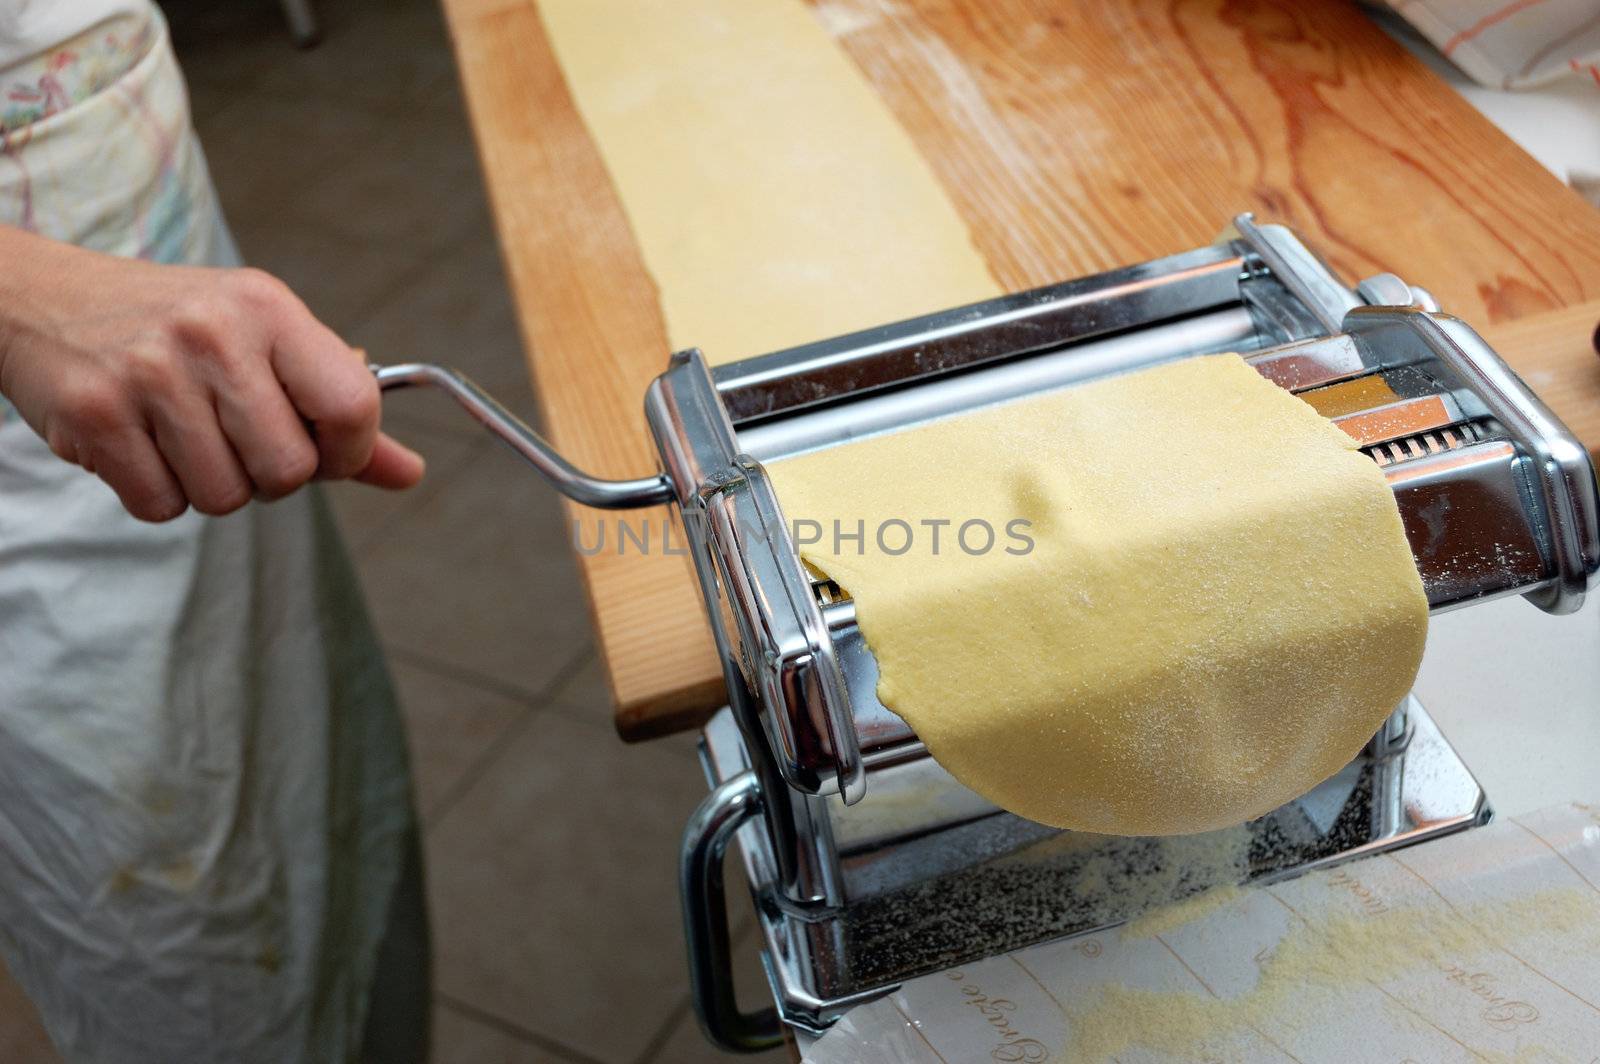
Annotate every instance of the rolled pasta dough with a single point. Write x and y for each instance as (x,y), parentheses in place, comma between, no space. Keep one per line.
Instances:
(1218,609)
(773,196)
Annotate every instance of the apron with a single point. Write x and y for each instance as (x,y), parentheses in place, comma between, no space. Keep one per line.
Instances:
(204,798)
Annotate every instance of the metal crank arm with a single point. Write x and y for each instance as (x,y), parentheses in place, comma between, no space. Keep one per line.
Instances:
(567,478)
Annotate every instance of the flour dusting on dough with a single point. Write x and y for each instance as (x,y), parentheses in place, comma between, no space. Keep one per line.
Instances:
(1319,961)
(1219,609)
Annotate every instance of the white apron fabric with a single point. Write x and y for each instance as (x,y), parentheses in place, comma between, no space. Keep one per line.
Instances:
(39,31)
(203,788)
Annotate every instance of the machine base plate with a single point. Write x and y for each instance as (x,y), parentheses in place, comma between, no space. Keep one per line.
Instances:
(1034,883)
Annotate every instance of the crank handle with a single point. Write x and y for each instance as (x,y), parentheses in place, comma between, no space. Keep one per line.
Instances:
(567,478)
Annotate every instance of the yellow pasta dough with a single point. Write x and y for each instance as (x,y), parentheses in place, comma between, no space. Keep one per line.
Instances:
(773,196)
(1207,607)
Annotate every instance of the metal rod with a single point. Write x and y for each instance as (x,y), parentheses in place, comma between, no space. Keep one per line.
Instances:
(705,919)
(890,356)
(808,430)
(567,478)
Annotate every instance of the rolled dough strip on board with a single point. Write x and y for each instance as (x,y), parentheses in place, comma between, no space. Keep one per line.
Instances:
(774,197)
(1211,607)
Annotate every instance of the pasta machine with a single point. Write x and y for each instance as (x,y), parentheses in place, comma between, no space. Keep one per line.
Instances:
(869,864)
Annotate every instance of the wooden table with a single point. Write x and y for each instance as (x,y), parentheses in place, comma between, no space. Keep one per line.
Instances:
(1073,137)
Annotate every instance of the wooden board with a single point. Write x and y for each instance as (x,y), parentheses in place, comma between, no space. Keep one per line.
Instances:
(1080,136)
(1072,137)
(1556,354)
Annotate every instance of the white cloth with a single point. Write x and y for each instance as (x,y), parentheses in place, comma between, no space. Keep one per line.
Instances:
(203,789)
(33,28)
(1512,44)
(1557,121)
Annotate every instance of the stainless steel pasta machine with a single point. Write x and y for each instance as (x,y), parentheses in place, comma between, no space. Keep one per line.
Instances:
(868,863)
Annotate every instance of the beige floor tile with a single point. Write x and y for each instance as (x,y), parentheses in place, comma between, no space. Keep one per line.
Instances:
(451,725)
(365,512)
(457,312)
(587,697)
(482,576)
(22,1036)
(462,1039)
(433,412)
(341,280)
(224,46)
(265,153)
(686,1044)
(389,52)
(586,691)
(414,182)
(683,744)
(554,888)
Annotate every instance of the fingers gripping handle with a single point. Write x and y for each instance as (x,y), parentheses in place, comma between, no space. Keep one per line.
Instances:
(567,478)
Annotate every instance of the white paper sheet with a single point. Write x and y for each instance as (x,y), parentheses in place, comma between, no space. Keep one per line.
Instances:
(1480,947)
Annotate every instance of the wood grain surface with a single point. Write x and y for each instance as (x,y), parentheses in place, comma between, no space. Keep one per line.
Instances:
(1075,137)
(1072,137)
(1556,354)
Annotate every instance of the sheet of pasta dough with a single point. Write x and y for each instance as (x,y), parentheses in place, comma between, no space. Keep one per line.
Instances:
(1218,607)
(773,195)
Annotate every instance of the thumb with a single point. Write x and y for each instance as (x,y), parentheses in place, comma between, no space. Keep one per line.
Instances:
(393,465)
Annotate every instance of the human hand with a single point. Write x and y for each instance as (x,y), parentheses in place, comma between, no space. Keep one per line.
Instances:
(185,386)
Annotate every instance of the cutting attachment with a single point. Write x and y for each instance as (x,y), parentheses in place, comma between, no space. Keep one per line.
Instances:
(1496,496)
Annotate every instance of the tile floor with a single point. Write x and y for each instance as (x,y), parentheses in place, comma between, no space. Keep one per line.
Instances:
(349,171)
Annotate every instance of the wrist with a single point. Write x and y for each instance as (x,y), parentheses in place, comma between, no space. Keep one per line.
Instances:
(27,309)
